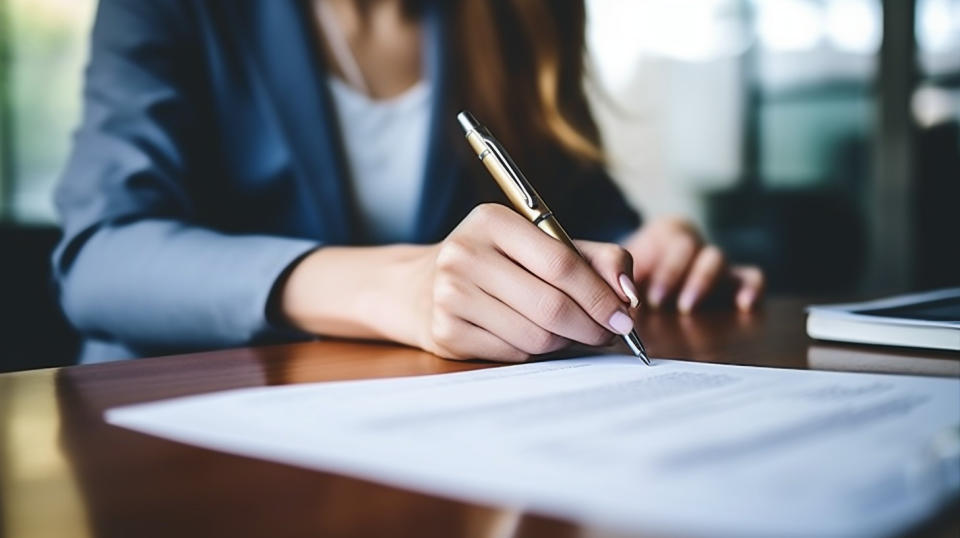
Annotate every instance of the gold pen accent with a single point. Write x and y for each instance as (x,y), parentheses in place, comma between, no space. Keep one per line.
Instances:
(524,198)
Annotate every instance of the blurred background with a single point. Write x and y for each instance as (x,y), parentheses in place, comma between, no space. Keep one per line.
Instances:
(816,138)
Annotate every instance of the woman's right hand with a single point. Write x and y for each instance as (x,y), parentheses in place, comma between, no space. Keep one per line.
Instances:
(499,288)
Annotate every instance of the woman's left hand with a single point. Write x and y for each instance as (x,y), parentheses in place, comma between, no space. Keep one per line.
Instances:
(672,262)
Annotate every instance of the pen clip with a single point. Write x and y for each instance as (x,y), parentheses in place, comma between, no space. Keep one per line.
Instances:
(507,163)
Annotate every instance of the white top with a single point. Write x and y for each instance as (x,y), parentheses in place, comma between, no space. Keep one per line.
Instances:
(385,144)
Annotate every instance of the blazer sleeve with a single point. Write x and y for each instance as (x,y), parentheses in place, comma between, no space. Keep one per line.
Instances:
(133,266)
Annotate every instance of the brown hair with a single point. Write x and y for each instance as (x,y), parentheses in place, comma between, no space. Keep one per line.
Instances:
(518,66)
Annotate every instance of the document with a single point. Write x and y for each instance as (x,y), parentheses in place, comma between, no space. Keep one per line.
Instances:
(679,448)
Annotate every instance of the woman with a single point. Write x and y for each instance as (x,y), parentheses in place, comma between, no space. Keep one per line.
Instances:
(251,171)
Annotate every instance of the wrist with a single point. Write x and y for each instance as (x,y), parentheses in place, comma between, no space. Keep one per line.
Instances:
(278,311)
(357,292)
(394,298)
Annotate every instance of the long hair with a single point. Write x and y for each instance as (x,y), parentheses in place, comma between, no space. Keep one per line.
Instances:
(518,65)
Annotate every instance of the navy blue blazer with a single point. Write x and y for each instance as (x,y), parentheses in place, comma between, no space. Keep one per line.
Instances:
(208,161)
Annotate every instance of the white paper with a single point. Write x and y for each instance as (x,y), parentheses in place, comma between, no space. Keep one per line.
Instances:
(678,448)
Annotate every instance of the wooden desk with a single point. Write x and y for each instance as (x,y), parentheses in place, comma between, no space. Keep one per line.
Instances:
(63,472)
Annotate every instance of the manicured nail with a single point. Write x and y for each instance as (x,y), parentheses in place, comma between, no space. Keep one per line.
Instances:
(657,293)
(686,300)
(630,290)
(621,323)
(745,300)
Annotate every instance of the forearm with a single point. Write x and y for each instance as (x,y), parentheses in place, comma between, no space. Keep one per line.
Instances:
(163,284)
(358,292)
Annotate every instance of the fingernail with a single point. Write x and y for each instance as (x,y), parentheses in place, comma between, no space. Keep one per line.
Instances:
(657,292)
(744,300)
(630,290)
(687,298)
(621,323)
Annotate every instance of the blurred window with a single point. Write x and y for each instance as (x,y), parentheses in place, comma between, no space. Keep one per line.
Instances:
(774,93)
(937,100)
(815,64)
(45,46)
(938,36)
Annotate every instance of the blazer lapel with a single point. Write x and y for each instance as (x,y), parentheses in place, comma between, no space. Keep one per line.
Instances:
(281,38)
(441,181)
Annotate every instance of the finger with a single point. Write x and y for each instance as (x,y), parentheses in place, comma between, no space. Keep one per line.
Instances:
(461,340)
(704,273)
(649,243)
(615,266)
(670,271)
(750,284)
(546,306)
(558,265)
(643,247)
(477,307)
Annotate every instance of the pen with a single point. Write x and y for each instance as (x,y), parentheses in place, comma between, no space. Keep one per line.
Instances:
(524,198)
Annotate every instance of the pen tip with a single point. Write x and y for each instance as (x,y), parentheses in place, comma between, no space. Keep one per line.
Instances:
(636,346)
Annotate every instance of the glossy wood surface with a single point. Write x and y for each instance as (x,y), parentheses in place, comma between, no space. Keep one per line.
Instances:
(64,472)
